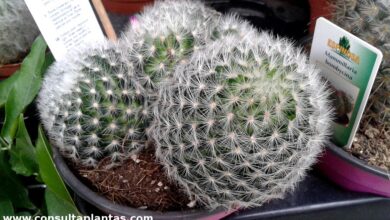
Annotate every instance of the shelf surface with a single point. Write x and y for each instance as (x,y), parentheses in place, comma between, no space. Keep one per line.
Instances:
(317,198)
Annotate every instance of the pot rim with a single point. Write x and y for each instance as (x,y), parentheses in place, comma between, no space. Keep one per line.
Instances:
(6,70)
(341,152)
(109,207)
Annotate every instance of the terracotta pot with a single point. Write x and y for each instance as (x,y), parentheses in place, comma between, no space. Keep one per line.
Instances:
(8,69)
(319,8)
(126,6)
(352,173)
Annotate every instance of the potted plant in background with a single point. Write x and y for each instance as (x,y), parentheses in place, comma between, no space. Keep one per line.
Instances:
(365,167)
(126,6)
(17,32)
(284,18)
(101,107)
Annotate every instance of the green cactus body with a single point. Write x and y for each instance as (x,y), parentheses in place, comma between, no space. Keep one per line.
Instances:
(244,121)
(370,20)
(101,113)
(17,30)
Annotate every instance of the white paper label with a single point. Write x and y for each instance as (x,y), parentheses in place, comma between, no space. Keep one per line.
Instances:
(65,24)
(350,65)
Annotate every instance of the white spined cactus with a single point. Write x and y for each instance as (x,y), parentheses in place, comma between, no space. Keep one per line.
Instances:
(17,30)
(242,122)
(169,32)
(370,20)
(91,105)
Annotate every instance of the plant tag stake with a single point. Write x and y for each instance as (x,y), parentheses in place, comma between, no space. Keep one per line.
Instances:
(350,65)
(65,24)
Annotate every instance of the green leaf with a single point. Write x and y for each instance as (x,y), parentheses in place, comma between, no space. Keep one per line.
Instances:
(56,206)
(6,208)
(51,177)
(25,87)
(6,86)
(11,187)
(23,159)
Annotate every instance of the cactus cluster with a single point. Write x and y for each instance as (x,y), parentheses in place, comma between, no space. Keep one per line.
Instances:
(237,116)
(244,121)
(17,30)
(92,106)
(370,20)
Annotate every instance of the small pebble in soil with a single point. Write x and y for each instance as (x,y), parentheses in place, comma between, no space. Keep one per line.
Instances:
(134,157)
(159,184)
(191,204)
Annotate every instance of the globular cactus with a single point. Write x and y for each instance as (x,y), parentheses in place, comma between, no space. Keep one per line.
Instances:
(91,105)
(167,33)
(242,122)
(17,30)
(370,20)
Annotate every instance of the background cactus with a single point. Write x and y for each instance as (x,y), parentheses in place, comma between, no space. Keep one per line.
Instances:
(244,120)
(92,105)
(370,20)
(17,30)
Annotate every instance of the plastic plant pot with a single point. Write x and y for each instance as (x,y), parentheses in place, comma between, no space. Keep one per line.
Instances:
(352,173)
(8,69)
(126,6)
(287,18)
(108,207)
(318,8)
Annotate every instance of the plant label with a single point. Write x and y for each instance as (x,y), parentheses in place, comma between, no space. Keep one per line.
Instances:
(65,24)
(350,65)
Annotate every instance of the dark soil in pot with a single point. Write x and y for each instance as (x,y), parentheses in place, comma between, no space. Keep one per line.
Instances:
(139,182)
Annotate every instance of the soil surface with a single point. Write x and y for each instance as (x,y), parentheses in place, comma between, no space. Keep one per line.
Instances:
(140,182)
(372,144)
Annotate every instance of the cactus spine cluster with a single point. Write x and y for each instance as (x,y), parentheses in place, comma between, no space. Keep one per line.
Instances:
(370,20)
(92,107)
(17,30)
(244,121)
